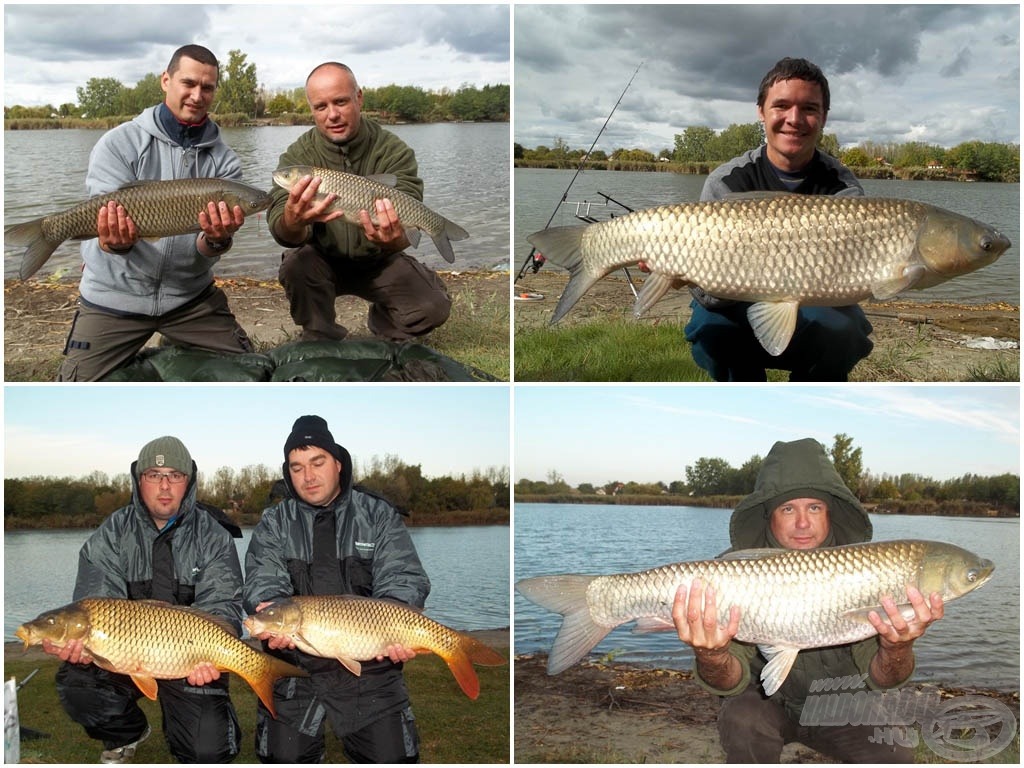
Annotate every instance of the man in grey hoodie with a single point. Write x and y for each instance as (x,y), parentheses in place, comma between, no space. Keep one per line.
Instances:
(131,288)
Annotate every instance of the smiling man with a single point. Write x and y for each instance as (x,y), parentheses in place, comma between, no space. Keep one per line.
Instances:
(328,257)
(330,537)
(132,288)
(793,104)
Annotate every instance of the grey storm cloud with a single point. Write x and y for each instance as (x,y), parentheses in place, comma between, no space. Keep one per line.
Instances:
(891,66)
(89,32)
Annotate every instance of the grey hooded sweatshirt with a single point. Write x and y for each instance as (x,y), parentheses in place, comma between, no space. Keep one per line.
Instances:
(158,276)
(800,469)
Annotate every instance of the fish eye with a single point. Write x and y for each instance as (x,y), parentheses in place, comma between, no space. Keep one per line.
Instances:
(972,575)
(986,243)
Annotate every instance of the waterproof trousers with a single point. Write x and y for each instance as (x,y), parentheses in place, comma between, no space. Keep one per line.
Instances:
(199,722)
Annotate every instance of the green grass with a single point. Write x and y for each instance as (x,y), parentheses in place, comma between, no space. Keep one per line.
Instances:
(453,728)
(477,333)
(609,350)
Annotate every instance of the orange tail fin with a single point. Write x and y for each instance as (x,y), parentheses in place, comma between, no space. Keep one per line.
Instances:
(462,659)
(263,685)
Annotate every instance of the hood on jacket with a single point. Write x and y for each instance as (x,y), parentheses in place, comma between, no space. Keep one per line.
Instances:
(188,501)
(796,469)
(345,476)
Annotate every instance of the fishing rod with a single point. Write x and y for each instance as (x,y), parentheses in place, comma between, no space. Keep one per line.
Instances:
(530,258)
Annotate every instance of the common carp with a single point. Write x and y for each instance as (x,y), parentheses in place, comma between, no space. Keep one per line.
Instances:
(358,193)
(779,251)
(353,629)
(158,208)
(788,599)
(149,640)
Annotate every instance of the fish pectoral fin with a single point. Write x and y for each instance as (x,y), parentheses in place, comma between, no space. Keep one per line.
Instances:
(351,665)
(780,661)
(653,624)
(773,323)
(146,684)
(655,286)
(908,278)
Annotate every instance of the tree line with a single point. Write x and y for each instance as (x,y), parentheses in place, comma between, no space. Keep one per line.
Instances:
(699,149)
(481,497)
(240,93)
(714,482)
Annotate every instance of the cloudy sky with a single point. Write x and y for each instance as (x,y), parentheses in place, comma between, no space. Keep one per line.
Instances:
(598,434)
(939,74)
(50,50)
(73,431)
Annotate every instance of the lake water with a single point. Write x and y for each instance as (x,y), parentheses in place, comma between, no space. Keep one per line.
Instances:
(977,643)
(538,191)
(468,568)
(464,167)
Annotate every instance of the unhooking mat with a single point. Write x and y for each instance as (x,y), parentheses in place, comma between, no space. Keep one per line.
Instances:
(366,360)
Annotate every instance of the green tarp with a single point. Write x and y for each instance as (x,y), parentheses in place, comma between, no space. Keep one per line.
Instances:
(369,360)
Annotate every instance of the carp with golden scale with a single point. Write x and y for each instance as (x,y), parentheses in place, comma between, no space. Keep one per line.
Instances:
(149,640)
(353,629)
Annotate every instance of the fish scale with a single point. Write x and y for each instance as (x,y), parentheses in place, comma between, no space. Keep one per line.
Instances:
(158,209)
(356,193)
(776,251)
(788,599)
(152,640)
(353,629)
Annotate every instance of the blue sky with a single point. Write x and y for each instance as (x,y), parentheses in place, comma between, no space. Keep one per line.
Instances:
(70,431)
(598,434)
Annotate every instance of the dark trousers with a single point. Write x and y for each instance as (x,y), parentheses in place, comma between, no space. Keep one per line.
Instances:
(827,344)
(100,342)
(199,723)
(406,299)
(754,729)
(371,716)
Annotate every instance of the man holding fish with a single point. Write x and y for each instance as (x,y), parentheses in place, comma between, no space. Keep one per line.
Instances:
(800,502)
(328,256)
(793,104)
(132,288)
(164,546)
(329,537)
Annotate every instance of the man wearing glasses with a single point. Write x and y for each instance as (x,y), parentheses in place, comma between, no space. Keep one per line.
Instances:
(163,545)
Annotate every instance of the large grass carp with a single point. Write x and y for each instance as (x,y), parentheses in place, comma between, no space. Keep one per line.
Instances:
(358,193)
(779,251)
(353,629)
(149,640)
(788,599)
(158,208)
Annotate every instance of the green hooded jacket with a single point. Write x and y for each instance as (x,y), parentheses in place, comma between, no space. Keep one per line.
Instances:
(800,469)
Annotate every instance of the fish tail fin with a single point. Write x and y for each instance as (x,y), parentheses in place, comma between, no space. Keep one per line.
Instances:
(30,233)
(462,668)
(450,231)
(563,246)
(263,682)
(578,634)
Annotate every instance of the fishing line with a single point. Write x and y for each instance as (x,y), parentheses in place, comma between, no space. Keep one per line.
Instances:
(530,258)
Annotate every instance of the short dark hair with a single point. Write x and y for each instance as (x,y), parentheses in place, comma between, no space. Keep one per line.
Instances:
(794,69)
(197,52)
(336,65)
